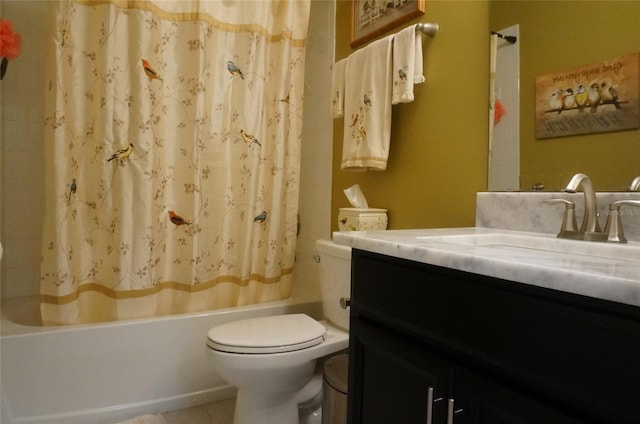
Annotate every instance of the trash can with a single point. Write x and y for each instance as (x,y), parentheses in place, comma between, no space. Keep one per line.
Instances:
(334,390)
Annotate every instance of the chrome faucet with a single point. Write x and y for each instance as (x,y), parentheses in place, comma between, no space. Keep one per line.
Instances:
(635,184)
(590,222)
(590,227)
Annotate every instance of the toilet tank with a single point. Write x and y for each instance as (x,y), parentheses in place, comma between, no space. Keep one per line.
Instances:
(335,280)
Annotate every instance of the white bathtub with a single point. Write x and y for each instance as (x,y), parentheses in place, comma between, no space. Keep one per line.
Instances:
(104,373)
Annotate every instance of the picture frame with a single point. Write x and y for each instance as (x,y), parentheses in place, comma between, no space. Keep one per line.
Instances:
(600,97)
(370,18)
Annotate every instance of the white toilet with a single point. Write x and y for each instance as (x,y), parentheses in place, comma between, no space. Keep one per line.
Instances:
(271,360)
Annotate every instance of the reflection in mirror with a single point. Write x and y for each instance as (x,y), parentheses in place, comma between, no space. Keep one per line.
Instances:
(547,44)
(504,111)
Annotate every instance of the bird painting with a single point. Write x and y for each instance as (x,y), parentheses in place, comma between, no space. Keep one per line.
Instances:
(367,100)
(149,71)
(555,101)
(581,97)
(609,95)
(402,75)
(614,97)
(177,220)
(568,99)
(122,153)
(605,95)
(248,138)
(593,99)
(234,70)
(261,218)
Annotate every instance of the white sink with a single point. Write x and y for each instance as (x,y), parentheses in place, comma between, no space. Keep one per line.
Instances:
(540,243)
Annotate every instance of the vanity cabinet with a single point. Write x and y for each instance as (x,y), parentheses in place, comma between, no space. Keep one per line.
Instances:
(434,345)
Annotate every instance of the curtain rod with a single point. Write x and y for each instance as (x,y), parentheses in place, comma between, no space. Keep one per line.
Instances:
(509,38)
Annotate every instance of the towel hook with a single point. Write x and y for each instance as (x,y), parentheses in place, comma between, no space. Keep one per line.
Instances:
(428,28)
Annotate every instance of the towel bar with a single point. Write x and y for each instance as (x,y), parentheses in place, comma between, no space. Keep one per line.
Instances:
(428,28)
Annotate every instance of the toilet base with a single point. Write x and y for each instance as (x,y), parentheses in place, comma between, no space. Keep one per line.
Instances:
(252,408)
(275,408)
(311,410)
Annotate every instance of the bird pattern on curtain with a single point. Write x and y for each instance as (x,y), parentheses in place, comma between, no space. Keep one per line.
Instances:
(172,152)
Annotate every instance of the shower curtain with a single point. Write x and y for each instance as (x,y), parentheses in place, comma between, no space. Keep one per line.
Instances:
(172,156)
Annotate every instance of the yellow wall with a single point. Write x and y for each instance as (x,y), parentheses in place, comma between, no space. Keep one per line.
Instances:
(559,35)
(438,155)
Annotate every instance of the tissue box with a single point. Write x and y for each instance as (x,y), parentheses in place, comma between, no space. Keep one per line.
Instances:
(359,219)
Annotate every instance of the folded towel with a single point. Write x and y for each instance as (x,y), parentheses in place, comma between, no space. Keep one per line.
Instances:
(337,89)
(407,64)
(367,107)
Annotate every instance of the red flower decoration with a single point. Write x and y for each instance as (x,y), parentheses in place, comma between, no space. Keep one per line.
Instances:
(499,112)
(9,40)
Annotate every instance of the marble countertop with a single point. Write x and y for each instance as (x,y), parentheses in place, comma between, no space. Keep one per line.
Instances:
(611,278)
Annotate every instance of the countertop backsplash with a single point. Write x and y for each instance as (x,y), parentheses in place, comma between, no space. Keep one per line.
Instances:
(525,211)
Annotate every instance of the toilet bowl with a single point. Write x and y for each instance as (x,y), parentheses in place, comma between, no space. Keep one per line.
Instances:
(271,360)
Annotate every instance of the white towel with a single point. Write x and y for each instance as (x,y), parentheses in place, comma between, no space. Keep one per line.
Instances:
(407,64)
(367,107)
(337,89)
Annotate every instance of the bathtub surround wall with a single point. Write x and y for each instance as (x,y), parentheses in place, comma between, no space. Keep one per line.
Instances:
(527,212)
(21,144)
(315,162)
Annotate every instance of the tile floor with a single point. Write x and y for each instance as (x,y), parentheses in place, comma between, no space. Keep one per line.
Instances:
(222,413)
(212,413)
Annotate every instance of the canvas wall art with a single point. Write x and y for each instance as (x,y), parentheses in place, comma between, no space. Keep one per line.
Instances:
(595,98)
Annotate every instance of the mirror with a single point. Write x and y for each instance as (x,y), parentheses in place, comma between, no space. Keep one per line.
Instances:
(563,35)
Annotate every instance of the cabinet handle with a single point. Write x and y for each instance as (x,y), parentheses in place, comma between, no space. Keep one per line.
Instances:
(430,402)
(451,411)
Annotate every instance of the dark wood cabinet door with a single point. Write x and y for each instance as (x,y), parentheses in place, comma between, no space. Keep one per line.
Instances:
(478,399)
(396,381)
(539,355)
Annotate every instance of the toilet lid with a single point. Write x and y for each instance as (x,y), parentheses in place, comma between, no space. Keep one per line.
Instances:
(271,334)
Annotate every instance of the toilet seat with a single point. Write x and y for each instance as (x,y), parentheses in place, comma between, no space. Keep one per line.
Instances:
(270,334)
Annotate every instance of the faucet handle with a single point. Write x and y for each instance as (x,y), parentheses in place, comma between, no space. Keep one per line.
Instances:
(569,222)
(613,227)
